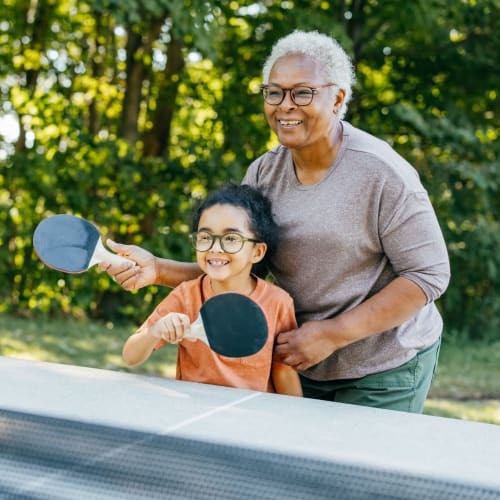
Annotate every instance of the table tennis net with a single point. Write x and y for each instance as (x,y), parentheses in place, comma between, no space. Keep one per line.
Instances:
(51,458)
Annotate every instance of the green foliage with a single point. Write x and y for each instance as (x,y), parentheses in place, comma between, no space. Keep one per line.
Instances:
(136,201)
(130,111)
(429,87)
(462,177)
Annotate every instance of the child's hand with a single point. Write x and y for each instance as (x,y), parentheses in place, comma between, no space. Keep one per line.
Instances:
(171,327)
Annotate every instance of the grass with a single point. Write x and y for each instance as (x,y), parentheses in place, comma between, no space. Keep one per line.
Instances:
(83,343)
(467,382)
(466,385)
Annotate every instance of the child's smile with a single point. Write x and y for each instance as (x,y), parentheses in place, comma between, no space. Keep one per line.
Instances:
(217,262)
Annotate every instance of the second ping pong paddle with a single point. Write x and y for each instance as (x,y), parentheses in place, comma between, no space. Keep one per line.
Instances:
(232,325)
(71,244)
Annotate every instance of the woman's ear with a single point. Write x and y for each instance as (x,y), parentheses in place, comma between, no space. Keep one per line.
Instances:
(338,101)
(259,250)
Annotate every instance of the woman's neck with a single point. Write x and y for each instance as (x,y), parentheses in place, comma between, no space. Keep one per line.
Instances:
(312,162)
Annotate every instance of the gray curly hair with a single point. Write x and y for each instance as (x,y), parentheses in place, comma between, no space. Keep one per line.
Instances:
(325,50)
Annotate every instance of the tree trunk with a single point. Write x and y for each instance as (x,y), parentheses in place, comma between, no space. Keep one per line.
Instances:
(132,99)
(138,46)
(37,25)
(157,139)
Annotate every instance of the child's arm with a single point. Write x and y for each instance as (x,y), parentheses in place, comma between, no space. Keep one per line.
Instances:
(140,345)
(285,379)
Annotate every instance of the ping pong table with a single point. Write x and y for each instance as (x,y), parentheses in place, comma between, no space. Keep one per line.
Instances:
(71,432)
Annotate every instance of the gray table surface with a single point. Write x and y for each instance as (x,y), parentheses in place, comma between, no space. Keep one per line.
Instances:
(418,444)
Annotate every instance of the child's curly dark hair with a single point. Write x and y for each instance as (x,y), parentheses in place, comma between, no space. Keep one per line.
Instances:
(260,217)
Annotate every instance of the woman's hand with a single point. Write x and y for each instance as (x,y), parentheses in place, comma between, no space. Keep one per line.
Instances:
(132,277)
(305,346)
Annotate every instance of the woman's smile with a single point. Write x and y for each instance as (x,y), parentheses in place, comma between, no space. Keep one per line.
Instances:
(289,123)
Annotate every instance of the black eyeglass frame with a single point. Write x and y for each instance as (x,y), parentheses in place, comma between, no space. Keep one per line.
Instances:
(220,237)
(314,91)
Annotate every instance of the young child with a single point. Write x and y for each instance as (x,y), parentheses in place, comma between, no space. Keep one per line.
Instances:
(234,232)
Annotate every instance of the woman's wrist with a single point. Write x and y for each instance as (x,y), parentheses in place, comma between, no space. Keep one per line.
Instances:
(337,331)
(165,272)
(172,273)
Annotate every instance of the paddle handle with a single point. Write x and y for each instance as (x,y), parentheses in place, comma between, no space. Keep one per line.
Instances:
(197,331)
(101,254)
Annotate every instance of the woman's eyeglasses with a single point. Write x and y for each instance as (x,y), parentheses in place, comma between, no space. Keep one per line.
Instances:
(229,242)
(300,95)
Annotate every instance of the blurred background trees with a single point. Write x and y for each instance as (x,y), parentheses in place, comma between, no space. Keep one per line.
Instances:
(128,111)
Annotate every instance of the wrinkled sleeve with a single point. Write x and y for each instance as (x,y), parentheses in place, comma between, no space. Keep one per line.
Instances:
(413,242)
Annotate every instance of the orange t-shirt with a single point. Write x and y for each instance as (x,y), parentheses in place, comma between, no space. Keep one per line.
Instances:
(196,362)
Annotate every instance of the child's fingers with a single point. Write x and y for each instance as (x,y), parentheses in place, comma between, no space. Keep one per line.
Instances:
(168,335)
(163,329)
(172,327)
(186,326)
(175,326)
(181,324)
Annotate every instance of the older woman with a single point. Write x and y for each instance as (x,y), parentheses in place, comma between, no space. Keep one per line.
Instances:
(361,253)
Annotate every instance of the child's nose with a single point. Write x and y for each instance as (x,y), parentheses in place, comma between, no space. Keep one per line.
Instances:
(217,246)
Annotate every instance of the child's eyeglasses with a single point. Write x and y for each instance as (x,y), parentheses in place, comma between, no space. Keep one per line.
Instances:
(229,242)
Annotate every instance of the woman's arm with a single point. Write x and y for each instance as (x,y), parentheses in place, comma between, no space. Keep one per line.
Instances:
(148,269)
(316,340)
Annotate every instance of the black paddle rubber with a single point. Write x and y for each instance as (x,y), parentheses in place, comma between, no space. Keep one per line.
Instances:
(235,325)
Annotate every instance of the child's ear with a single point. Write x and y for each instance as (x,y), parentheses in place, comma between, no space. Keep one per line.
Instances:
(259,250)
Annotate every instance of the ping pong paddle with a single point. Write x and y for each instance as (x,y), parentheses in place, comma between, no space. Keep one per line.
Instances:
(71,244)
(231,324)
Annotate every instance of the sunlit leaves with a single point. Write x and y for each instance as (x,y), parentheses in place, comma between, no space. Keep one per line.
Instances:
(428,80)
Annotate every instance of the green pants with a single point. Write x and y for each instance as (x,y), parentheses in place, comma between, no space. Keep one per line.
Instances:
(403,388)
